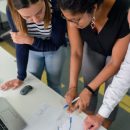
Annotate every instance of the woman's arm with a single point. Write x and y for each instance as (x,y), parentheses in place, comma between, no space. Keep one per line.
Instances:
(118,54)
(109,70)
(21,50)
(76,52)
(21,58)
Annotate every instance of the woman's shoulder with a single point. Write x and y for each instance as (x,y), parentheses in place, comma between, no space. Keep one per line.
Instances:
(54,5)
(119,8)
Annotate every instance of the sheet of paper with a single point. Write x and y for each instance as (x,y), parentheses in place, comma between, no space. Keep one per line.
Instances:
(53,118)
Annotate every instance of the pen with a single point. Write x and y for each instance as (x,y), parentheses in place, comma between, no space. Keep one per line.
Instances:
(76,99)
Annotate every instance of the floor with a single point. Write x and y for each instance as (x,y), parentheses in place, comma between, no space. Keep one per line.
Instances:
(123,118)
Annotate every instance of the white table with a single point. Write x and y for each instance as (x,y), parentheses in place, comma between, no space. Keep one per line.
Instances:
(26,105)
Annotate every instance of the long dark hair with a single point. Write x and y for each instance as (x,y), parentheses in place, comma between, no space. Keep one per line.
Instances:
(20,23)
(79,6)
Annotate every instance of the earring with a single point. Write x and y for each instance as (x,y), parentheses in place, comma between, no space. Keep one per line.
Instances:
(93,23)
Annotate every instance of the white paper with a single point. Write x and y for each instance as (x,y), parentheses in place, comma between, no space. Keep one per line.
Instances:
(53,118)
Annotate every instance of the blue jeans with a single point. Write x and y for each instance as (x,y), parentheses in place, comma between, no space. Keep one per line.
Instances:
(52,62)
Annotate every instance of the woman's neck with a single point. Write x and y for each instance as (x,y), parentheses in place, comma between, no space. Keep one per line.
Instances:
(101,14)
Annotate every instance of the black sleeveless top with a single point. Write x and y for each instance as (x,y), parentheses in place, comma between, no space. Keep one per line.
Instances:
(115,28)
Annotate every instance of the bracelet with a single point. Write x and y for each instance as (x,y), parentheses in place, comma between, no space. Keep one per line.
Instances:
(90,89)
(73,88)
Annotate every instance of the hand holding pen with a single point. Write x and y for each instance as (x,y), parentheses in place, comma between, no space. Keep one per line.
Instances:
(82,102)
(71,108)
(76,99)
(69,96)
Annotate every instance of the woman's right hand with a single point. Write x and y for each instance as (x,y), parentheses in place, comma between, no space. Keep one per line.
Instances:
(19,37)
(69,96)
(11,84)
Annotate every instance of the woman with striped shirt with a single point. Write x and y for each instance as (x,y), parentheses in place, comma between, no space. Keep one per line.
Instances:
(38,32)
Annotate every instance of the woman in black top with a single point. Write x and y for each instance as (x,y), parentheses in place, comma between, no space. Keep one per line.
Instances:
(115,92)
(103,25)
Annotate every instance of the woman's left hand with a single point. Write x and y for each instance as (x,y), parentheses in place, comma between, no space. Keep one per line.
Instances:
(21,38)
(84,100)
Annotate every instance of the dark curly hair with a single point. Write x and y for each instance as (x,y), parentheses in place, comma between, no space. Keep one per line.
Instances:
(78,6)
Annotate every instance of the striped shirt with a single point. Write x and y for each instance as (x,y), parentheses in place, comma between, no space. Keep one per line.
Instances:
(38,30)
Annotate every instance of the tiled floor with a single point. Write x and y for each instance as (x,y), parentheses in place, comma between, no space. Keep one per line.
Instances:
(123,118)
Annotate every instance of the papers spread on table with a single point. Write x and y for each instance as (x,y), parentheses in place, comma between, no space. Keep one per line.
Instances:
(54,118)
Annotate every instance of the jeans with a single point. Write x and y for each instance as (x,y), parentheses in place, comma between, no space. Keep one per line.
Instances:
(52,62)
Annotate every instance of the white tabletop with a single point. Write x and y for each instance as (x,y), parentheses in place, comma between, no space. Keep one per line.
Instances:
(39,95)
(28,104)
